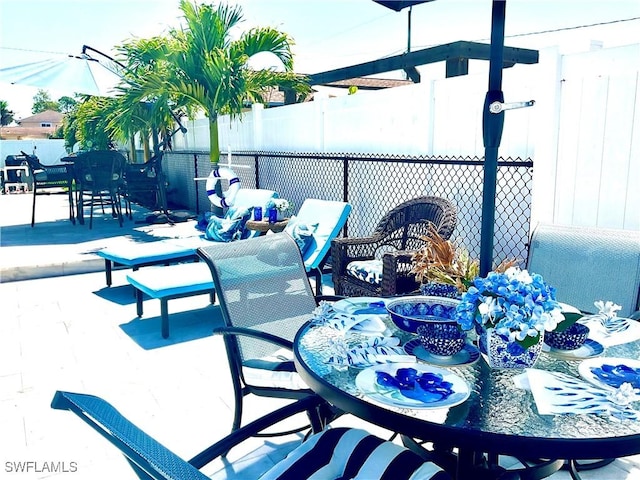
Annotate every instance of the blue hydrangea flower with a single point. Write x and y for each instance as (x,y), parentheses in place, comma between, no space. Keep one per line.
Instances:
(516,303)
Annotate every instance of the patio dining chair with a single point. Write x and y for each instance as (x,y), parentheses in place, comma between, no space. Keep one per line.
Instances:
(101,175)
(380,264)
(265,297)
(47,179)
(586,264)
(331,453)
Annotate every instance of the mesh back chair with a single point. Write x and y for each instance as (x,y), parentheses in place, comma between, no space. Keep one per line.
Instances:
(332,453)
(48,177)
(584,265)
(265,297)
(380,265)
(588,264)
(101,174)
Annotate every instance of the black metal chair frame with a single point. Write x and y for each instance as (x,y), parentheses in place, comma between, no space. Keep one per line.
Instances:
(47,177)
(101,174)
(233,335)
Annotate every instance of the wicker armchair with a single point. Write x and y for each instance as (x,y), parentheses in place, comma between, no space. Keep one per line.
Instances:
(392,244)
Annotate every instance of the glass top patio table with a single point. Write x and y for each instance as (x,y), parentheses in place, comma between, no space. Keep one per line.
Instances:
(498,418)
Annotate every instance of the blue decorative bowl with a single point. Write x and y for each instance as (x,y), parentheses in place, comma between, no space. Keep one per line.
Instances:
(570,339)
(442,338)
(435,289)
(408,313)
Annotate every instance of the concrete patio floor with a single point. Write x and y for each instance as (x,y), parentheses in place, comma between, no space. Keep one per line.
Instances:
(63,329)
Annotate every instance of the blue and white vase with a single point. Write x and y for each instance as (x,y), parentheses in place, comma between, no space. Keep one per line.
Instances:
(499,352)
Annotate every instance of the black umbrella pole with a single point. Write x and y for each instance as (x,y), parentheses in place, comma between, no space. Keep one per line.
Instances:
(492,125)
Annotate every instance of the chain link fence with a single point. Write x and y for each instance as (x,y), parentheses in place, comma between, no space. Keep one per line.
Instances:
(374,184)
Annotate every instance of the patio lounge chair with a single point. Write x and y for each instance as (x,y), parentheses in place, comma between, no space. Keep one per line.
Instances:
(330,453)
(322,221)
(135,255)
(265,297)
(380,265)
(317,223)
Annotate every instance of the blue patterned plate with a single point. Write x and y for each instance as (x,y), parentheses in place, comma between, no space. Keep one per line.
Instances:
(412,385)
(468,355)
(610,372)
(590,348)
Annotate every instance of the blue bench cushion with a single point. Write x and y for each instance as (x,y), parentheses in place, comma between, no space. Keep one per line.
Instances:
(369,271)
(177,280)
(134,254)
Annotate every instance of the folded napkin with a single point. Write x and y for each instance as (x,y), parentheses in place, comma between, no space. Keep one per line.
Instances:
(606,328)
(557,393)
(324,314)
(374,351)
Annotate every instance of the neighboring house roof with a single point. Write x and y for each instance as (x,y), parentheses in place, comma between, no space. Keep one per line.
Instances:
(275,97)
(48,116)
(40,125)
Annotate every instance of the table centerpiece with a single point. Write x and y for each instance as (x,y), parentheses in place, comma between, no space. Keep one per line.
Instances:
(510,311)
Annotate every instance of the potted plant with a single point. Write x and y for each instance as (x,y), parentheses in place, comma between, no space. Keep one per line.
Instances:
(446,269)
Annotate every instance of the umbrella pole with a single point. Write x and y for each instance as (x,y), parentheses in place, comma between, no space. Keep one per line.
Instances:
(492,124)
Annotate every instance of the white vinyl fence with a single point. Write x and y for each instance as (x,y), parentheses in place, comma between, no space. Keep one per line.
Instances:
(583,133)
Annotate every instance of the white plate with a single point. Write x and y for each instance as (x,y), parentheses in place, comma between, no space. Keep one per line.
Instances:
(366,381)
(468,355)
(361,306)
(589,349)
(591,371)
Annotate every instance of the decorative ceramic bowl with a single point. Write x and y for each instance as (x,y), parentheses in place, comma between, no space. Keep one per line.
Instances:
(441,338)
(570,339)
(408,313)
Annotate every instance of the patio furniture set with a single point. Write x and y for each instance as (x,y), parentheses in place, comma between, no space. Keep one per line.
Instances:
(266,300)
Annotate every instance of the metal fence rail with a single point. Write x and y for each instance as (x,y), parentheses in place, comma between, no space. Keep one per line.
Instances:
(374,184)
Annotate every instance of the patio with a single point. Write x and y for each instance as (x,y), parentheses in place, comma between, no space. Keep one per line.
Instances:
(63,329)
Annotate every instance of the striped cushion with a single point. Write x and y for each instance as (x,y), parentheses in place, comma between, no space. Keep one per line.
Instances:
(349,453)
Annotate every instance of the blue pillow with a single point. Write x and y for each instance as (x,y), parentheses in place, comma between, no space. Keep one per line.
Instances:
(302,233)
(229,228)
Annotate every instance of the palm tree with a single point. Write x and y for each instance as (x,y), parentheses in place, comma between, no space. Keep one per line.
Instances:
(200,65)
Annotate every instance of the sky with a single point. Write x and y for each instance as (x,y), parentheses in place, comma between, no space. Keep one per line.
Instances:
(328,34)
